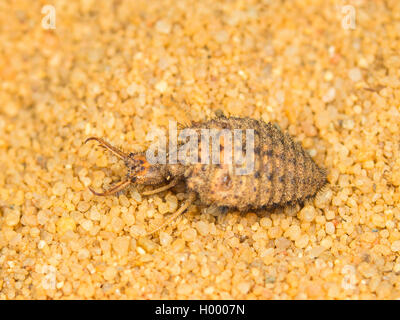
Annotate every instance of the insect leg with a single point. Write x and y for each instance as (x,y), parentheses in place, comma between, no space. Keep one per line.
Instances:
(109,147)
(122,185)
(182,209)
(161,189)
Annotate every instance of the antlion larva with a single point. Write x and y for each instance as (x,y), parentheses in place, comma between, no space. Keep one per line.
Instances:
(283,173)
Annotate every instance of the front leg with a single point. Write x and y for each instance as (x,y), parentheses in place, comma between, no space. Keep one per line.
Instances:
(189,201)
(161,189)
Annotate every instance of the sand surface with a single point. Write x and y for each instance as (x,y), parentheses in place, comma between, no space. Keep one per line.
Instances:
(120,69)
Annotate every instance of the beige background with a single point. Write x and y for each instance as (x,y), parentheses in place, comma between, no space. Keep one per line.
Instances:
(120,69)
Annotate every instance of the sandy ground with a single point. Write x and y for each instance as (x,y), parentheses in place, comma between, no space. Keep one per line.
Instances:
(119,69)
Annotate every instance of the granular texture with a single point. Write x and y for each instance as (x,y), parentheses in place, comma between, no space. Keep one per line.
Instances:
(120,70)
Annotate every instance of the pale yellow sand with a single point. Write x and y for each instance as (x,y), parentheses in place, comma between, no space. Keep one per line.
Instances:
(120,70)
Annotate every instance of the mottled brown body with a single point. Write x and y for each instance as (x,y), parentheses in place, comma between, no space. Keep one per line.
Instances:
(283,172)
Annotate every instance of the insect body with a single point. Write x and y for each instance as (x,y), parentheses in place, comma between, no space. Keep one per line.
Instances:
(283,173)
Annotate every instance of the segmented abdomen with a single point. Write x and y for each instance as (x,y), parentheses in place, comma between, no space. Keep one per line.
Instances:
(283,171)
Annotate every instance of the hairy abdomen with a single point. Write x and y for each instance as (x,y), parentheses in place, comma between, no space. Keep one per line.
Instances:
(283,172)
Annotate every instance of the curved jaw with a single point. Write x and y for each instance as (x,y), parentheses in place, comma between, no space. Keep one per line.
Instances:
(115,151)
(120,186)
(124,183)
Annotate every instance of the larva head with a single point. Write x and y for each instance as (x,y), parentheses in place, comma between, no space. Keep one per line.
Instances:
(140,171)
